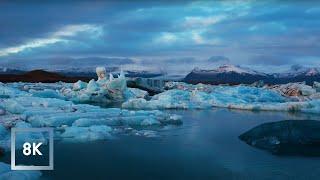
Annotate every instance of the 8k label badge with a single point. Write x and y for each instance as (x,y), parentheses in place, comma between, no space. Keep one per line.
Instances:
(32,148)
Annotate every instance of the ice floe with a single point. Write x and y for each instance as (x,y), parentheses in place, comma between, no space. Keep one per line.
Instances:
(101,91)
(294,89)
(84,134)
(104,91)
(186,96)
(78,122)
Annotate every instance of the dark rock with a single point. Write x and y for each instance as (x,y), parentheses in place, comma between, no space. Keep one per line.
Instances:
(290,137)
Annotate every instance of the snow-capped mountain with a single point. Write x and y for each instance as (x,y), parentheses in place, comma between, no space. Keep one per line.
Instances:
(231,74)
(298,70)
(229,68)
(226,74)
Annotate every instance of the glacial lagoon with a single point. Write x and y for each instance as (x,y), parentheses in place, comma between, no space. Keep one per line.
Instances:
(205,146)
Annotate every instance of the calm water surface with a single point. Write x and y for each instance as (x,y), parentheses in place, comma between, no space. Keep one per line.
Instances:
(206,146)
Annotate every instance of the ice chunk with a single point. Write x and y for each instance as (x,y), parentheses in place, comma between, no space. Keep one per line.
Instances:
(316,86)
(135,93)
(46,93)
(13,106)
(294,89)
(85,122)
(147,133)
(149,121)
(103,91)
(7,174)
(101,73)
(65,115)
(235,97)
(92,86)
(22,137)
(83,134)
(7,92)
(79,85)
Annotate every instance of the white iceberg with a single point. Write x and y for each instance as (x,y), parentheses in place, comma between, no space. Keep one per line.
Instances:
(101,91)
(79,85)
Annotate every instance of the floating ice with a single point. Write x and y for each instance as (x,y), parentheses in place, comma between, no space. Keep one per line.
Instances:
(82,134)
(7,92)
(7,174)
(186,96)
(101,72)
(47,93)
(29,110)
(79,85)
(22,137)
(103,90)
(195,99)
(92,86)
(294,89)
(316,86)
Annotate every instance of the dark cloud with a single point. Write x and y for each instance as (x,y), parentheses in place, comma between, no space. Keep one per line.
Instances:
(61,62)
(269,60)
(257,32)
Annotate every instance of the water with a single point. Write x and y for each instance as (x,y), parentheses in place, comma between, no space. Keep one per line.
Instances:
(206,146)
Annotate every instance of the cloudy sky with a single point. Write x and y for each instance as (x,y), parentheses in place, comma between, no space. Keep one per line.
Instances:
(165,35)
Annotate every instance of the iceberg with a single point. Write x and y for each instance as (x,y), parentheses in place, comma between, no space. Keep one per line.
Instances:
(220,96)
(83,134)
(22,137)
(79,85)
(186,96)
(101,91)
(29,110)
(104,90)
(294,89)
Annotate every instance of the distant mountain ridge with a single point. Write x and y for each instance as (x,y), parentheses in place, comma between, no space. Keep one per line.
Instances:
(232,74)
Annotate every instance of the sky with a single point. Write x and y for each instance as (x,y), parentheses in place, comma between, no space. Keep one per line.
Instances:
(173,36)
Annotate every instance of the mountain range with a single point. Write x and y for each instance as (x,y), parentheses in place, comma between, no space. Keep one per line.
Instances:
(232,74)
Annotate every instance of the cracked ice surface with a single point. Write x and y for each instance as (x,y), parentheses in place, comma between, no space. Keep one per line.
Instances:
(235,97)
